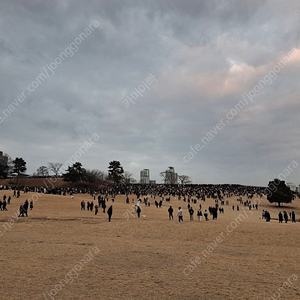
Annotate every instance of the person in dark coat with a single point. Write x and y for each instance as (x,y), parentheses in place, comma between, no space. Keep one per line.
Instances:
(206,215)
(4,205)
(109,212)
(280,217)
(191,212)
(293,217)
(199,214)
(170,211)
(21,214)
(96,209)
(267,216)
(215,213)
(138,211)
(285,216)
(25,207)
(82,205)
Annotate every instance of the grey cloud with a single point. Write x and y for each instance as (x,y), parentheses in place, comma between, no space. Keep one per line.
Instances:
(204,54)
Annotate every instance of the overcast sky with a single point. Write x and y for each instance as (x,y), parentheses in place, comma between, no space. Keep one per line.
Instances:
(187,63)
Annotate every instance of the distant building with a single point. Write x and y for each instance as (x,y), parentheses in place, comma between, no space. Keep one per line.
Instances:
(3,159)
(171,176)
(152,181)
(145,176)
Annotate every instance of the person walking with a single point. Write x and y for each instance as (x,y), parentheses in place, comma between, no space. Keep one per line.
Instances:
(267,216)
(180,215)
(280,217)
(206,215)
(191,212)
(25,207)
(21,214)
(170,211)
(82,205)
(285,216)
(138,211)
(4,205)
(109,212)
(199,214)
(293,217)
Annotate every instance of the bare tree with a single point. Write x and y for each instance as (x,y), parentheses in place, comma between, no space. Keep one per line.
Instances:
(128,177)
(95,176)
(55,167)
(184,179)
(169,176)
(164,176)
(92,177)
(42,171)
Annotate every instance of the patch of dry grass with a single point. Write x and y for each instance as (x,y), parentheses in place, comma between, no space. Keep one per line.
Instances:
(146,258)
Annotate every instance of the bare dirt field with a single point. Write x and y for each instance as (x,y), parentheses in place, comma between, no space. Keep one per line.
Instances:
(61,252)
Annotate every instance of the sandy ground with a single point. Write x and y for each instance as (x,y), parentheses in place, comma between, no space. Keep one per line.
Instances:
(61,252)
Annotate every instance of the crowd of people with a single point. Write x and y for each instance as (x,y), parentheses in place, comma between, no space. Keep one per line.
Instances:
(101,204)
(281,216)
(3,202)
(285,217)
(158,194)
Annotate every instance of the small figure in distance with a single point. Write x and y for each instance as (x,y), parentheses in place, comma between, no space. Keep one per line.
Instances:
(109,212)
(138,211)
(267,216)
(180,214)
(21,214)
(4,205)
(206,215)
(285,216)
(280,217)
(170,211)
(191,212)
(199,214)
(293,217)
(82,205)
